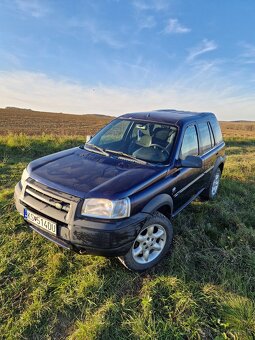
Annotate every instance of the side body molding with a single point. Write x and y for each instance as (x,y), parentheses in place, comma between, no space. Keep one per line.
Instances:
(158,202)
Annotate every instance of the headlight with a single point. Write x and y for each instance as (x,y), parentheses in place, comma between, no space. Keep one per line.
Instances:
(104,208)
(24,177)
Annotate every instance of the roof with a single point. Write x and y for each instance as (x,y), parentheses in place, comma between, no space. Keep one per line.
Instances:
(166,116)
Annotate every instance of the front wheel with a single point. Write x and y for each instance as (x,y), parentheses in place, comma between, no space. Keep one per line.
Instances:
(151,244)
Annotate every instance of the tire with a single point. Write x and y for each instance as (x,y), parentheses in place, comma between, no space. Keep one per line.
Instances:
(151,244)
(211,192)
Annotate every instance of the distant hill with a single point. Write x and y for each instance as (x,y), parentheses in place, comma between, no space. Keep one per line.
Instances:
(30,122)
(16,120)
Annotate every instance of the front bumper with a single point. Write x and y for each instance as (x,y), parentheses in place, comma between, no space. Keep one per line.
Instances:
(83,235)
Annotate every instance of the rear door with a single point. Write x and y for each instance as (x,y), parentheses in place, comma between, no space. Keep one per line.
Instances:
(206,149)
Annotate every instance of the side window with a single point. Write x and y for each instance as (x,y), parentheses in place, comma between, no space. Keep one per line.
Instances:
(189,143)
(211,134)
(216,131)
(205,138)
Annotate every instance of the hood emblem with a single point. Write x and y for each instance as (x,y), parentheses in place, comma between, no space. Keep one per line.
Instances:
(58,206)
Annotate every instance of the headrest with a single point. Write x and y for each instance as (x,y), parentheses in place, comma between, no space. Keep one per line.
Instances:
(143,128)
(146,131)
(145,141)
(170,139)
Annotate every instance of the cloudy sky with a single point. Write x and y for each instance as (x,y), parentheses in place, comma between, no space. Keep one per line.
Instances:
(115,56)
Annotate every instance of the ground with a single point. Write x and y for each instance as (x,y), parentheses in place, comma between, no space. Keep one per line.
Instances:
(204,290)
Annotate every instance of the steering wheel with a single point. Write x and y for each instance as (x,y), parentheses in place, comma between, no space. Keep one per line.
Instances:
(161,147)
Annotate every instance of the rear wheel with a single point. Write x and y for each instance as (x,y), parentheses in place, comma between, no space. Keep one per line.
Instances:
(151,244)
(211,192)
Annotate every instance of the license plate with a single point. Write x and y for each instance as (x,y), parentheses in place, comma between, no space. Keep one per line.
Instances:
(41,222)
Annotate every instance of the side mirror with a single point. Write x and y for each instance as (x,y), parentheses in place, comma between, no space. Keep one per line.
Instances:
(88,138)
(190,162)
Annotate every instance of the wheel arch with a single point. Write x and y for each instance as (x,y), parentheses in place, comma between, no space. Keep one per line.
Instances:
(221,166)
(218,164)
(162,203)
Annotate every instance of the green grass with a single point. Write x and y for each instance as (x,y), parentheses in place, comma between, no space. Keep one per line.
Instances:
(205,290)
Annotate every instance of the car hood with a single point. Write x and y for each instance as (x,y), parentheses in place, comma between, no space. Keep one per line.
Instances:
(87,174)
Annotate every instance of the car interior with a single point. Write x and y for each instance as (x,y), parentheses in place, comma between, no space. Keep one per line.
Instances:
(152,142)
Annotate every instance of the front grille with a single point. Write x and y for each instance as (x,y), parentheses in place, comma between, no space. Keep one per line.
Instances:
(53,204)
(46,198)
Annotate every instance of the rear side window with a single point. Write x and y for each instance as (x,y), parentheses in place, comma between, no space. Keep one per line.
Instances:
(189,143)
(211,134)
(204,137)
(216,130)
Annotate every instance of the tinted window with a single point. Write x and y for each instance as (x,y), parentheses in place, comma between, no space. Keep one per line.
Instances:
(216,131)
(204,137)
(189,143)
(211,133)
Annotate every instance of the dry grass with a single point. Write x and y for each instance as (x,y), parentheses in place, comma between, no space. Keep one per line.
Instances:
(29,122)
(240,129)
(14,120)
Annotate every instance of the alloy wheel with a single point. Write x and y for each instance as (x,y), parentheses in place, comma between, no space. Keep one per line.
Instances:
(149,244)
(216,183)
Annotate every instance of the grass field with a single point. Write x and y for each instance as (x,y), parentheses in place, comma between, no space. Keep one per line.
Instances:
(205,290)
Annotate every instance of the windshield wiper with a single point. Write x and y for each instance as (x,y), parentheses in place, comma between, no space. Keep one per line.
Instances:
(126,155)
(95,148)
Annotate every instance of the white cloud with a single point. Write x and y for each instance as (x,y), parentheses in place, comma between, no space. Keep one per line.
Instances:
(204,47)
(38,91)
(10,58)
(174,26)
(249,50)
(154,5)
(147,22)
(202,65)
(35,8)
(97,34)
(248,54)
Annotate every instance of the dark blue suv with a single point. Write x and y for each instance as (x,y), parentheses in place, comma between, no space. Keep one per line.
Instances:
(117,194)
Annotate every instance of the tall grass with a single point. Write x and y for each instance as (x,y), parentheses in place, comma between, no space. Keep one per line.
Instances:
(204,290)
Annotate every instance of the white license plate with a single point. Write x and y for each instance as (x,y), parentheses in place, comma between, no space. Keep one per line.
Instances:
(41,222)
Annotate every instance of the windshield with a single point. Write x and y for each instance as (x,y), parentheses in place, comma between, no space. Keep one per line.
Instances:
(150,142)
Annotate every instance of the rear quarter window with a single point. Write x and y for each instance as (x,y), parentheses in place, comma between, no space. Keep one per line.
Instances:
(216,131)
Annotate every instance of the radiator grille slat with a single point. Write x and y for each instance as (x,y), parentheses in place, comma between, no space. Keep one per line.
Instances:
(40,208)
(47,202)
(58,204)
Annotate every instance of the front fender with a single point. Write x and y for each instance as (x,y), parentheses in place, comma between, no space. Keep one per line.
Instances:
(158,202)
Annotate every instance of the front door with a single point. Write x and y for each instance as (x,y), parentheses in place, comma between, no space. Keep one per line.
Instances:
(187,181)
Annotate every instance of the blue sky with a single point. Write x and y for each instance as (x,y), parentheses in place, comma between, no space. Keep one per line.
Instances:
(113,56)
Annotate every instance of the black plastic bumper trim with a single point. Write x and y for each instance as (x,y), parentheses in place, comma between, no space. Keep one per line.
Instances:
(52,238)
